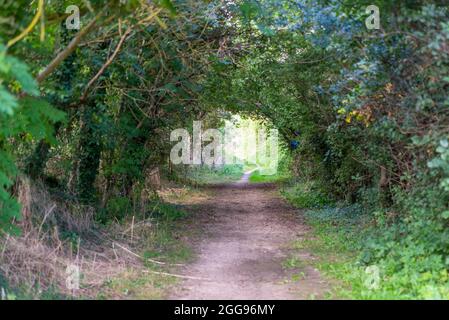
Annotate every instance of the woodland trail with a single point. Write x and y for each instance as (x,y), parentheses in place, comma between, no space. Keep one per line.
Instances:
(246,232)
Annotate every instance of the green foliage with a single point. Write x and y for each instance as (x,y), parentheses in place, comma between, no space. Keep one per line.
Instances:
(257,177)
(368,110)
(28,118)
(89,153)
(292,263)
(283,172)
(221,174)
(16,74)
(167,4)
(348,241)
(117,129)
(365,111)
(167,212)
(118,208)
(441,163)
(306,195)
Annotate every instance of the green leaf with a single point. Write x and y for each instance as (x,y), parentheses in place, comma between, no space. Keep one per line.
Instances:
(8,102)
(20,72)
(249,10)
(266,30)
(37,117)
(4,67)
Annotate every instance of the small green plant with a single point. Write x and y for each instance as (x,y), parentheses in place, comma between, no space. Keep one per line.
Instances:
(117,209)
(292,263)
(298,276)
(72,237)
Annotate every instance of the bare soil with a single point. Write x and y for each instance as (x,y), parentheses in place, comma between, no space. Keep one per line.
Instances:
(246,232)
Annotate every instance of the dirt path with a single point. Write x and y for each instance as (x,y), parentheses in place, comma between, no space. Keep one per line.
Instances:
(245,235)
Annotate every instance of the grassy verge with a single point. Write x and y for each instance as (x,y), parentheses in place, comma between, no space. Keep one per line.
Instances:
(258,177)
(172,223)
(161,250)
(335,248)
(131,258)
(203,175)
(368,255)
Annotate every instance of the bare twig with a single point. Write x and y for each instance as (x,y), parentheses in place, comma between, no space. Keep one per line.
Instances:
(49,211)
(140,257)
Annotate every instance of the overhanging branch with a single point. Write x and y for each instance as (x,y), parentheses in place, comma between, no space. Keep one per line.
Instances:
(66,52)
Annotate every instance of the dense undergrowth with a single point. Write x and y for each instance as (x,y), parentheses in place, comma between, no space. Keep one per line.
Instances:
(373,256)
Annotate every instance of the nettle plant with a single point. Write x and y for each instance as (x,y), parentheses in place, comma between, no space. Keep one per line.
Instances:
(23,117)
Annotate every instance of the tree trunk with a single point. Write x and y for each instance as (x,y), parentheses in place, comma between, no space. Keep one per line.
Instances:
(89,154)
